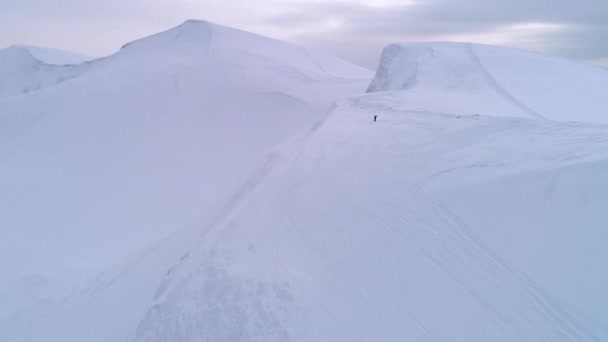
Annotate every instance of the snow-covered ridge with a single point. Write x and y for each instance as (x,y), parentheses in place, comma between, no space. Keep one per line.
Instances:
(23,70)
(190,32)
(495,80)
(54,56)
(198,41)
(224,54)
(135,147)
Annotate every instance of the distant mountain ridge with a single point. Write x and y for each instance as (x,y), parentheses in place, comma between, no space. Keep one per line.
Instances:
(21,72)
(53,56)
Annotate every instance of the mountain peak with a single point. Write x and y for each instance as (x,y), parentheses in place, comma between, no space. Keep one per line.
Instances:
(191,31)
(195,22)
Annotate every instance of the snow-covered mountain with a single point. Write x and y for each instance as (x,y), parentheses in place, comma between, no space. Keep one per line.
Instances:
(113,155)
(239,204)
(493,80)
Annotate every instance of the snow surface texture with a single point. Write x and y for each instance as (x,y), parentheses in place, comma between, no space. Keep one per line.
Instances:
(249,215)
(494,80)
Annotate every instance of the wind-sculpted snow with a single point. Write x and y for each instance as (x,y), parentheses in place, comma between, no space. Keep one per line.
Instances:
(498,80)
(220,308)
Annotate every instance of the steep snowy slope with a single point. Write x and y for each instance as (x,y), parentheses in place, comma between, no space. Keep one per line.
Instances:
(137,145)
(493,80)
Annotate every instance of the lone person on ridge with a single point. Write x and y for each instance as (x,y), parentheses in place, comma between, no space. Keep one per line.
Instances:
(375,117)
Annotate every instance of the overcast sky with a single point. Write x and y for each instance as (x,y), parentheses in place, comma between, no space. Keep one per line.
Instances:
(352,29)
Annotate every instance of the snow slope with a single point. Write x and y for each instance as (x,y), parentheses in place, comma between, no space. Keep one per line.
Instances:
(493,80)
(532,190)
(432,224)
(132,147)
(513,200)
(337,237)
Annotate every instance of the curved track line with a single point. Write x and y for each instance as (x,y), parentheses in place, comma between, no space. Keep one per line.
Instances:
(488,262)
(331,263)
(491,81)
(313,299)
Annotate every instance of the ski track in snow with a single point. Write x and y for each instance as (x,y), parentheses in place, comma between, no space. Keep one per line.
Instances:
(491,81)
(457,245)
(331,263)
(328,260)
(312,298)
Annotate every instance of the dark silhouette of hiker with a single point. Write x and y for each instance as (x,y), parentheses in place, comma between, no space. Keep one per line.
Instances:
(375,117)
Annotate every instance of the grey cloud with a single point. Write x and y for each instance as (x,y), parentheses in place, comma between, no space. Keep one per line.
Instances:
(455,16)
(94,28)
(577,42)
(580,28)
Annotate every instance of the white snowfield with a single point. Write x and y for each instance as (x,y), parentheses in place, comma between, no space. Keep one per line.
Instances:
(235,204)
